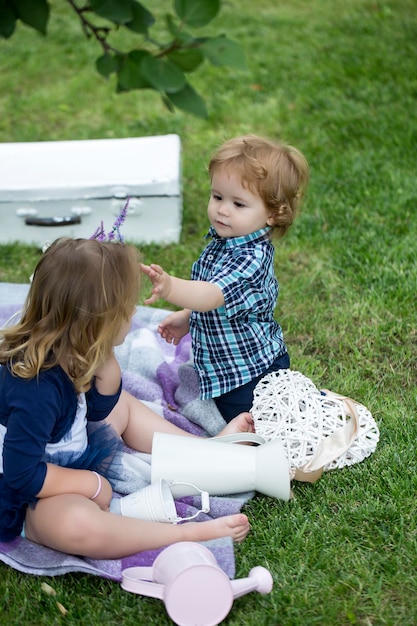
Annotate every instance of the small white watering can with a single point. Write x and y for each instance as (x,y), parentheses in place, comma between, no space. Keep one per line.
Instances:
(156,502)
(194,589)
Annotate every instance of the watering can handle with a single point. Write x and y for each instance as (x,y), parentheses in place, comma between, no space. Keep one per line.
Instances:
(138,580)
(205,502)
(239,438)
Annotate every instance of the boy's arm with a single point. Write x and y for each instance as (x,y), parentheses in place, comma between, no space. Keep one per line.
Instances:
(196,295)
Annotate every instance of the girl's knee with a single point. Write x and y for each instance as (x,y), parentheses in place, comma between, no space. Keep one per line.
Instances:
(76,524)
(66,525)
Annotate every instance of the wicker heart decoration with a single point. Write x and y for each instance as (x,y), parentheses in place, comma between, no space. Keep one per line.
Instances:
(289,406)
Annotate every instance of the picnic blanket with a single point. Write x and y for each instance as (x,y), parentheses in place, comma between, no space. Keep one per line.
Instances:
(163,377)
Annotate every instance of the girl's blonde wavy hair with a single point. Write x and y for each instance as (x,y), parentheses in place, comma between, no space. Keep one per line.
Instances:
(82,292)
(277,172)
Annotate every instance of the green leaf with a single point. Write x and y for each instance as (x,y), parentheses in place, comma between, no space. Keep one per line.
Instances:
(106,65)
(130,73)
(7,20)
(187,60)
(181,36)
(142,19)
(172,26)
(196,12)
(34,13)
(223,51)
(117,11)
(189,100)
(162,74)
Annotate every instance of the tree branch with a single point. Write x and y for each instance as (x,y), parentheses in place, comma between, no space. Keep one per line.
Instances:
(100,33)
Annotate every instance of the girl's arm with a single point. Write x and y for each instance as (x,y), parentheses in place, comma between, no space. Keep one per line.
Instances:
(108,377)
(61,480)
(40,412)
(196,295)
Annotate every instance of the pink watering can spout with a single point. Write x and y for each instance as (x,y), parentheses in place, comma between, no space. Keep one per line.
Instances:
(259,580)
(194,589)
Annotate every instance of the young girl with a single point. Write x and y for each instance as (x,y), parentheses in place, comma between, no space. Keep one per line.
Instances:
(228,306)
(57,375)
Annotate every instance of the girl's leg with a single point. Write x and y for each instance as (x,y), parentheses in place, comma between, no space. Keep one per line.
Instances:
(75,525)
(136,423)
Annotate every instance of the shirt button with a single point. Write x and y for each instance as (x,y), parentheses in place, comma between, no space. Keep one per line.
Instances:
(210,257)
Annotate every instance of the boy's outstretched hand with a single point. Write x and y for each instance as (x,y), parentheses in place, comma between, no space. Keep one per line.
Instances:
(161,282)
(194,295)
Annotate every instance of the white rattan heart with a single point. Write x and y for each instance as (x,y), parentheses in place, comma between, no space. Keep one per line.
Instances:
(289,406)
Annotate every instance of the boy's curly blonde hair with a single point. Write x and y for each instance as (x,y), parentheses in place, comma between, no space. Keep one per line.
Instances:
(277,172)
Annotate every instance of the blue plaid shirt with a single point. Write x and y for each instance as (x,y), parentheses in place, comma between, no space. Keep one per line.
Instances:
(238,341)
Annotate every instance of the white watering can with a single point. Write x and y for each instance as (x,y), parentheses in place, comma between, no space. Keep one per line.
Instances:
(194,589)
(220,466)
(156,503)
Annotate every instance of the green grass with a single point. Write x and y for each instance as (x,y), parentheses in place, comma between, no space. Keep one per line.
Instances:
(339,81)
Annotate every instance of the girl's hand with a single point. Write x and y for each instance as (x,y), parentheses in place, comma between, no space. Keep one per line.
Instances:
(175,326)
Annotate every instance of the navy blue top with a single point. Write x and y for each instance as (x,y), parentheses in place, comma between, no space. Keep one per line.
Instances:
(33,413)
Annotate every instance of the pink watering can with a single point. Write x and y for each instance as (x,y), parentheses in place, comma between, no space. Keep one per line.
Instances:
(194,589)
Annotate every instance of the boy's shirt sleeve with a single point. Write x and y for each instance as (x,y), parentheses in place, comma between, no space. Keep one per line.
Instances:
(247,285)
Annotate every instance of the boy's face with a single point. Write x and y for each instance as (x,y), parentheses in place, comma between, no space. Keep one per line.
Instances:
(234,210)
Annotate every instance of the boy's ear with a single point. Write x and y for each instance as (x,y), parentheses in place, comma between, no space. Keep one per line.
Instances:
(270,221)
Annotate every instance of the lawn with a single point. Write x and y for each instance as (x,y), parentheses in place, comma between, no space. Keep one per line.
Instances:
(339,81)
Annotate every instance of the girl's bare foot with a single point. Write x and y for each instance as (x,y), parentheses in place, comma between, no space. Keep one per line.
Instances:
(242,423)
(236,526)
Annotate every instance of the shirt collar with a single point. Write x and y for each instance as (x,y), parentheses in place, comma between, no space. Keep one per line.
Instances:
(238,241)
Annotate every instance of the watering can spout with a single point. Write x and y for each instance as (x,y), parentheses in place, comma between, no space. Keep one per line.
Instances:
(259,580)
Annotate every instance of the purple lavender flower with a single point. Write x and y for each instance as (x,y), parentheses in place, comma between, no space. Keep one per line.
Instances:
(100,233)
(118,223)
